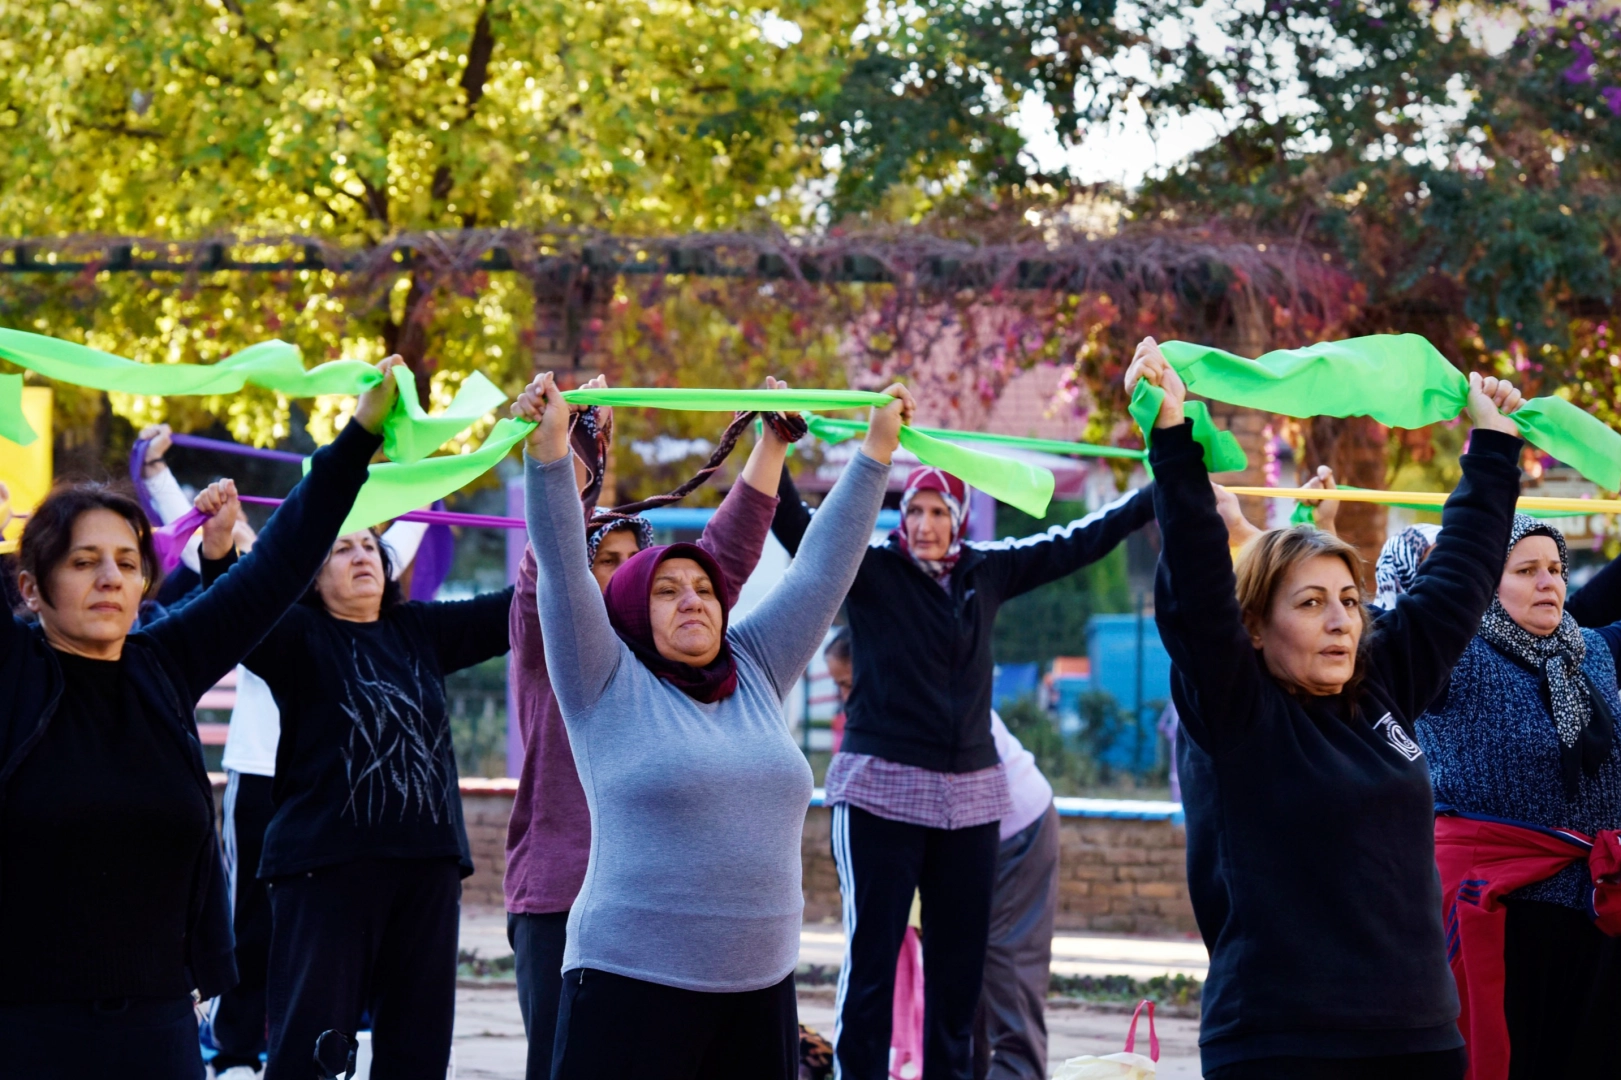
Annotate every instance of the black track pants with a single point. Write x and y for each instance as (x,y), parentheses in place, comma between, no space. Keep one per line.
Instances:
(238,1015)
(376,935)
(537,949)
(610,1027)
(881,863)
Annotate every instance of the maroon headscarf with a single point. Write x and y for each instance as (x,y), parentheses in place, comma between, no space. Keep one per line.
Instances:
(628,600)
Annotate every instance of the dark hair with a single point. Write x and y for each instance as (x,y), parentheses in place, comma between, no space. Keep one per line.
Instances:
(48,536)
(838,646)
(392,593)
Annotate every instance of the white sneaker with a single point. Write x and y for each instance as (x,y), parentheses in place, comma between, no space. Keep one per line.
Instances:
(238,1072)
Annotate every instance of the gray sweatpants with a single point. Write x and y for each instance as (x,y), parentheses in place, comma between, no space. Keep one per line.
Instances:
(1010,1030)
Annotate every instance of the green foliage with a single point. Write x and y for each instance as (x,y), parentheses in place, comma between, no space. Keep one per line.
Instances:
(1051,620)
(476,700)
(1178,990)
(1037,731)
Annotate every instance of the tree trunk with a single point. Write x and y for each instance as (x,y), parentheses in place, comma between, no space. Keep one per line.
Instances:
(1357,449)
(409,336)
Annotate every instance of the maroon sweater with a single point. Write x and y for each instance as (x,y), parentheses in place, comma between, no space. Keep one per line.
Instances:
(549,834)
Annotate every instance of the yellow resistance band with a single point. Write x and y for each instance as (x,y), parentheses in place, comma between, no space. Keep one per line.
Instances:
(1426,498)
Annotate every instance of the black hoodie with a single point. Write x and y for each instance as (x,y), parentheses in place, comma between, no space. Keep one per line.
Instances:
(172,662)
(1311,845)
(921,655)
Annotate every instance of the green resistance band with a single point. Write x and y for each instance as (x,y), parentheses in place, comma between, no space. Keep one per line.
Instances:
(835,430)
(1221,450)
(1399,380)
(14,424)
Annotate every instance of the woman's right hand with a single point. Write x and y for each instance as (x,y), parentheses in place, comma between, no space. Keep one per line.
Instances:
(1491,401)
(1240,531)
(375,404)
(542,404)
(1149,363)
(884,425)
(158,439)
(5,507)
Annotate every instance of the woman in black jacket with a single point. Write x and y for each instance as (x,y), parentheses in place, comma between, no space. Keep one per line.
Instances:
(366,849)
(1311,853)
(917,788)
(113,906)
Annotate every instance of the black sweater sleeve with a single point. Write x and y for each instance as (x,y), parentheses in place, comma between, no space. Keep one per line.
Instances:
(1598,603)
(1196,597)
(468,632)
(792,518)
(1416,644)
(1063,549)
(212,634)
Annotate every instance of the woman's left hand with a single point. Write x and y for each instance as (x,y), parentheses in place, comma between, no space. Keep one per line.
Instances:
(884,426)
(1491,401)
(375,404)
(542,404)
(218,500)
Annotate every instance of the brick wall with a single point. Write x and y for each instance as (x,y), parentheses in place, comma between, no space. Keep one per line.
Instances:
(1121,875)
(1118,875)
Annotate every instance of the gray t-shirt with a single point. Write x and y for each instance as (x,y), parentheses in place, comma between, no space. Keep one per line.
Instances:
(697,810)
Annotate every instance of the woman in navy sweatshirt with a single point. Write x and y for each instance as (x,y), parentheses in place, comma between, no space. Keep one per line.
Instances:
(917,787)
(113,901)
(1311,854)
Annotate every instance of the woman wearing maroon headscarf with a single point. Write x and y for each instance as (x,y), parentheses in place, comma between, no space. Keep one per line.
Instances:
(682,944)
(917,788)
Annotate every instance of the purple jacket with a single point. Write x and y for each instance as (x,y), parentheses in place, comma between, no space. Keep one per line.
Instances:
(549,834)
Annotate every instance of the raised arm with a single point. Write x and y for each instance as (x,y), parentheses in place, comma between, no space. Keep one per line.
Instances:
(737,532)
(582,650)
(212,634)
(793,517)
(1417,643)
(162,487)
(784,631)
(1195,593)
(1034,561)
(468,632)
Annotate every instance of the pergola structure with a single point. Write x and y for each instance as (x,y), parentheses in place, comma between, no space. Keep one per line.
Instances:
(1212,286)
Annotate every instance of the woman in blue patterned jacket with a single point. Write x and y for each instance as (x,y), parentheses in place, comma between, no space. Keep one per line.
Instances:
(1523,740)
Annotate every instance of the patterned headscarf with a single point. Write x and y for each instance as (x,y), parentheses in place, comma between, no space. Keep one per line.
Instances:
(1399,560)
(604,522)
(1558,656)
(955,495)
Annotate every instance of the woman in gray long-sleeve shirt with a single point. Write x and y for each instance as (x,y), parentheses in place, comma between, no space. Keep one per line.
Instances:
(684,938)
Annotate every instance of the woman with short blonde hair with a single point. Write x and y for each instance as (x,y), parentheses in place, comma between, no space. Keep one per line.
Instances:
(1311,857)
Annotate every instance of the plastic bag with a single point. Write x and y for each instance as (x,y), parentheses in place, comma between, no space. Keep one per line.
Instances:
(1127,1065)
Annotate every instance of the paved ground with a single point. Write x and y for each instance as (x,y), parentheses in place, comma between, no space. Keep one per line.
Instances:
(489,1032)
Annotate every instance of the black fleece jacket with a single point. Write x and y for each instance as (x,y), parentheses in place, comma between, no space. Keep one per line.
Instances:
(1311,848)
(921,655)
(172,662)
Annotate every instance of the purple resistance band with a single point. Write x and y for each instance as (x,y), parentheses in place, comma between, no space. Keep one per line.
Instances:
(432,517)
(197,442)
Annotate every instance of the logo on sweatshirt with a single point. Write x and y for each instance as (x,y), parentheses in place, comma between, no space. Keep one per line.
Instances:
(1398,738)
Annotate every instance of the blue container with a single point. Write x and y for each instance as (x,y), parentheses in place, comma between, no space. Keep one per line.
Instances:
(1130,664)
(1010,682)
